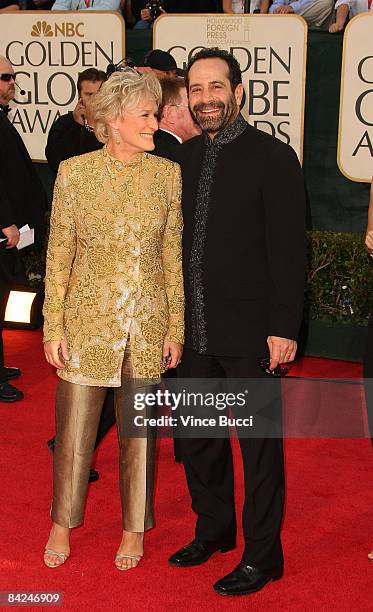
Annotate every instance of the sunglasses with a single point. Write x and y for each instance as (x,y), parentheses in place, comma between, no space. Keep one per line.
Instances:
(7,76)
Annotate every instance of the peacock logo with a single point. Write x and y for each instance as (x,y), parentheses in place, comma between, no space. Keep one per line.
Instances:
(41,28)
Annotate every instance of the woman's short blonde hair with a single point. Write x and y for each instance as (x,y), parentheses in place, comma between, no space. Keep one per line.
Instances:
(122,91)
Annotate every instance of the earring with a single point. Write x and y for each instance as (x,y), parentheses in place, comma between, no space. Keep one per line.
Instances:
(116,136)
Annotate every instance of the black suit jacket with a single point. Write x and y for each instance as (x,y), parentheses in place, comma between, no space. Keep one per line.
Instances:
(22,196)
(253,264)
(67,139)
(166,145)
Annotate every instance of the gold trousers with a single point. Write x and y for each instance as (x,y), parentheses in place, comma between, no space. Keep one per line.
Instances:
(78,409)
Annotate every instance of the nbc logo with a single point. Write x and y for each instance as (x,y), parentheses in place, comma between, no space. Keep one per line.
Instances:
(65,29)
(41,28)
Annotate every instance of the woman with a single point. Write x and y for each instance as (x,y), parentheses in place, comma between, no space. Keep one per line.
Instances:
(114,303)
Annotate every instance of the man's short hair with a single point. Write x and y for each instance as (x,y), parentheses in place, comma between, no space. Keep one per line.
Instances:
(91,74)
(235,76)
(170,92)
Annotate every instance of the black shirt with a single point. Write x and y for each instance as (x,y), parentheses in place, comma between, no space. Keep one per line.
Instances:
(241,192)
(68,138)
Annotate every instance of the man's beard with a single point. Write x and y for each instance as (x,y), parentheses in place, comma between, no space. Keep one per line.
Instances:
(217,123)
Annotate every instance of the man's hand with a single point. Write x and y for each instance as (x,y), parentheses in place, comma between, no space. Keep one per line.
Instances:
(56,353)
(172,352)
(281,350)
(283,9)
(79,113)
(146,14)
(13,235)
(335,27)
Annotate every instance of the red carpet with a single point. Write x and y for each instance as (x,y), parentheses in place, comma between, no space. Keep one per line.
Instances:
(327,530)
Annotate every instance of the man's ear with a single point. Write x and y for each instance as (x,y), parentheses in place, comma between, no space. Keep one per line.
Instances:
(238,94)
(168,113)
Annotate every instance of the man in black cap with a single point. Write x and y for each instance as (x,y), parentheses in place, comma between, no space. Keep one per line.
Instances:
(22,201)
(162,64)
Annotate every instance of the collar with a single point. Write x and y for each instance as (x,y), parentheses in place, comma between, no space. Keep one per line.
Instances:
(117,164)
(231,132)
(172,134)
(4,109)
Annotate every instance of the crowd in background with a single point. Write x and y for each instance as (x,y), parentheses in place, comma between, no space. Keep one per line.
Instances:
(141,14)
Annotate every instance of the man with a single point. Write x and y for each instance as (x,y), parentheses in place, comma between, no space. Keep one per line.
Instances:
(317,13)
(348,9)
(72,133)
(176,124)
(22,201)
(162,64)
(172,6)
(244,260)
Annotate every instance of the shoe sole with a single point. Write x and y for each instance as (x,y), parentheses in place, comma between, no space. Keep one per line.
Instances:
(11,399)
(250,592)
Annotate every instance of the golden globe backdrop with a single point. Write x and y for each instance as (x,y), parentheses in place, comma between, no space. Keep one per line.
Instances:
(271,50)
(355,138)
(48,49)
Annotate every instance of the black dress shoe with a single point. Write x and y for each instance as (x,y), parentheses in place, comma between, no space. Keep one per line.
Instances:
(11,372)
(198,552)
(245,580)
(8,393)
(93,474)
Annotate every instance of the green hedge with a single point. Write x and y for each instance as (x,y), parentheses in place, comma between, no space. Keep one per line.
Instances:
(334,261)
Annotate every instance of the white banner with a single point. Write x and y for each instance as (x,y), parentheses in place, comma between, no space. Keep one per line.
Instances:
(271,50)
(48,50)
(355,138)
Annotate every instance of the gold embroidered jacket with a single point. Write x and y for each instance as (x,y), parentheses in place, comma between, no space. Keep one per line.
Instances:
(114,265)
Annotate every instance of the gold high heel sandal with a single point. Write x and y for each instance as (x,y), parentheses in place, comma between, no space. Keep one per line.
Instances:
(120,556)
(63,556)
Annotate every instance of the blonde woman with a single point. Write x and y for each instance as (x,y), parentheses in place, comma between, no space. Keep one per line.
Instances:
(114,303)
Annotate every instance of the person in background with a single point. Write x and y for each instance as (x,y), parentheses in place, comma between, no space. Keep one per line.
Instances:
(86,5)
(317,13)
(114,304)
(176,124)
(245,6)
(162,64)
(72,134)
(22,201)
(348,9)
(368,354)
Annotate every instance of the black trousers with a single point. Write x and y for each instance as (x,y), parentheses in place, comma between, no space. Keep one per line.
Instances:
(11,273)
(209,472)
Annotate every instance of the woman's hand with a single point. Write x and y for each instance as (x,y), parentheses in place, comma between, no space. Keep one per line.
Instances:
(369,241)
(56,353)
(172,352)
